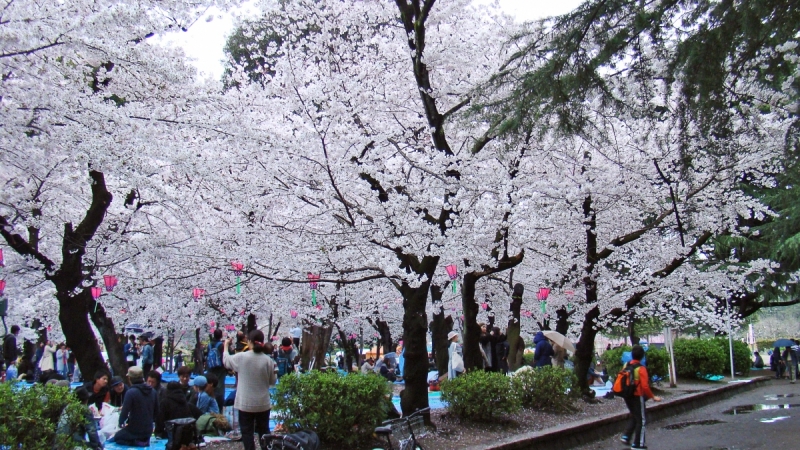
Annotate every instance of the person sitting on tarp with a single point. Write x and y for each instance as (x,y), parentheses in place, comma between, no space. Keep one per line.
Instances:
(139,410)
(386,372)
(758,363)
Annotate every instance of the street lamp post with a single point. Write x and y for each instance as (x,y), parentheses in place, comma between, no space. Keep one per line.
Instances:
(730,338)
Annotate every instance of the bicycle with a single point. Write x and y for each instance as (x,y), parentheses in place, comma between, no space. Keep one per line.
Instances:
(406,430)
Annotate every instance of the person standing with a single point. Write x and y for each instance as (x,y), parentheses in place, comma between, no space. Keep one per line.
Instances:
(61,360)
(777,363)
(256,372)
(543,352)
(147,354)
(501,350)
(635,433)
(10,350)
(47,360)
(296,333)
(790,359)
(455,362)
(215,367)
(130,351)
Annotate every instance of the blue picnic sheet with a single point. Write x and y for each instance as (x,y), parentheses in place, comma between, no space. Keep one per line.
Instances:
(155,444)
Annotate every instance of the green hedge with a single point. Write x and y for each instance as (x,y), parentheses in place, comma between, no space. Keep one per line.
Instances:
(547,387)
(343,410)
(741,355)
(657,360)
(29,416)
(481,396)
(702,356)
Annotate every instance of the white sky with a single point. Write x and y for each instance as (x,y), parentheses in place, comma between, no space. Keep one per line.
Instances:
(204,40)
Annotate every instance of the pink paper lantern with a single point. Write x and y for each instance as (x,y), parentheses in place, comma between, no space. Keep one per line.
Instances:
(237,268)
(122,311)
(293,313)
(96,292)
(2,287)
(110,281)
(484,306)
(241,313)
(212,323)
(2,261)
(319,307)
(543,293)
(452,271)
(198,293)
(313,280)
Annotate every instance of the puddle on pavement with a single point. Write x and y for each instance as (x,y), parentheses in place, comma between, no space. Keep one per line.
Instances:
(682,425)
(774,397)
(747,409)
(773,419)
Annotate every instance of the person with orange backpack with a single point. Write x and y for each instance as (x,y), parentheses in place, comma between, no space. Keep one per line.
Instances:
(632,384)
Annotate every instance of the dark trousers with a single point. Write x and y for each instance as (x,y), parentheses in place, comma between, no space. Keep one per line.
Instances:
(146,369)
(636,421)
(125,437)
(253,422)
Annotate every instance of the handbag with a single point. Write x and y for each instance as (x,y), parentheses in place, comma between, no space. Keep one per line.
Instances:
(458,362)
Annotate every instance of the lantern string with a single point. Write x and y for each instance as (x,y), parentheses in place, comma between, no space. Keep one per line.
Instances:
(313,297)
(238,285)
(455,283)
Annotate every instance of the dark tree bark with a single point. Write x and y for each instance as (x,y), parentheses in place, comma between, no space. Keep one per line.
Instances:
(512,333)
(316,340)
(440,326)
(251,323)
(562,320)
(71,278)
(158,352)
(415,330)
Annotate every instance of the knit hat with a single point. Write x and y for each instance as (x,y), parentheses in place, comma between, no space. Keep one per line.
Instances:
(135,373)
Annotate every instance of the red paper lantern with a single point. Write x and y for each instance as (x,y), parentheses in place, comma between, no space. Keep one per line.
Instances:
(241,313)
(2,287)
(312,280)
(237,268)
(110,281)
(452,271)
(96,292)
(198,293)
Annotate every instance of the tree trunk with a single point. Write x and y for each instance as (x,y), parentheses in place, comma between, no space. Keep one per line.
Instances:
(562,320)
(385,338)
(514,358)
(251,324)
(415,330)
(158,352)
(316,340)
(197,355)
(108,333)
(440,326)
(632,329)
(472,333)
(584,351)
(75,324)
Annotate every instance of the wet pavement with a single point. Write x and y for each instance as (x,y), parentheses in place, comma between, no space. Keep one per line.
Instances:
(765,418)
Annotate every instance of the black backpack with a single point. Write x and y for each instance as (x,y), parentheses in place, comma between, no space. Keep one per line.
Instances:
(625,384)
(181,432)
(302,440)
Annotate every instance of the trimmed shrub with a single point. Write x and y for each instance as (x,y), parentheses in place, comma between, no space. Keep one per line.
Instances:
(657,360)
(29,416)
(741,355)
(527,359)
(343,410)
(479,395)
(548,387)
(698,355)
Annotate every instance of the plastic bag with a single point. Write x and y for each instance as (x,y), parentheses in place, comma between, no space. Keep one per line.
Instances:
(109,424)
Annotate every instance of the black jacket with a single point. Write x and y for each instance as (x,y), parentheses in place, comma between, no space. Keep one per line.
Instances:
(139,410)
(174,406)
(116,399)
(10,351)
(95,398)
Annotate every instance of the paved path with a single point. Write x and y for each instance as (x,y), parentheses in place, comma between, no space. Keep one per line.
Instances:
(714,427)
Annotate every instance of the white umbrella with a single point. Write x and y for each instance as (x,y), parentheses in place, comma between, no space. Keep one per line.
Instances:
(559,339)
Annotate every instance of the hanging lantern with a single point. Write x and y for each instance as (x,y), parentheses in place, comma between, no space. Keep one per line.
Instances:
(452,272)
(122,311)
(241,313)
(211,323)
(2,261)
(312,283)
(198,293)
(2,287)
(542,295)
(526,313)
(49,328)
(293,313)
(110,281)
(484,306)
(96,293)
(570,293)
(237,270)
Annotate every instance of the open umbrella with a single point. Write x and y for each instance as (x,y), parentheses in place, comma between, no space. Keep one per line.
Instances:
(559,339)
(783,343)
